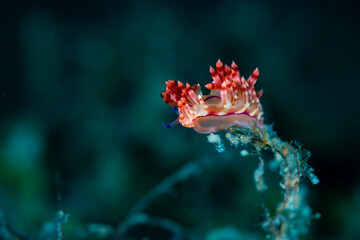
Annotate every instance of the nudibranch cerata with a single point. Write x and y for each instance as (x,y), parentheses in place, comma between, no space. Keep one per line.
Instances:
(232,101)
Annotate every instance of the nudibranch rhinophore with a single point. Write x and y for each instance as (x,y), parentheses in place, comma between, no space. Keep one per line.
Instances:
(232,101)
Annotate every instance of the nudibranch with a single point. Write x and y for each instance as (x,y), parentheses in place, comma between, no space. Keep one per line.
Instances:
(232,101)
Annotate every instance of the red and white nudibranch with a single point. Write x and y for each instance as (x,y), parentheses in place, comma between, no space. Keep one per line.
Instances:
(232,101)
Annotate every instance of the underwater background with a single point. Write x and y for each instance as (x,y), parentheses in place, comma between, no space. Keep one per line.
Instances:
(81,116)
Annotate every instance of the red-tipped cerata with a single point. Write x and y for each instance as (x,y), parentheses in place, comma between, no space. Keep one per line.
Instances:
(232,101)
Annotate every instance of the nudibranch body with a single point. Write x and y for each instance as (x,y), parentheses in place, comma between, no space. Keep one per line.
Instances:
(232,101)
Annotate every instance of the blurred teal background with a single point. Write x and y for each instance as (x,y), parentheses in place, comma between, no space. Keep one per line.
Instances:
(81,113)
